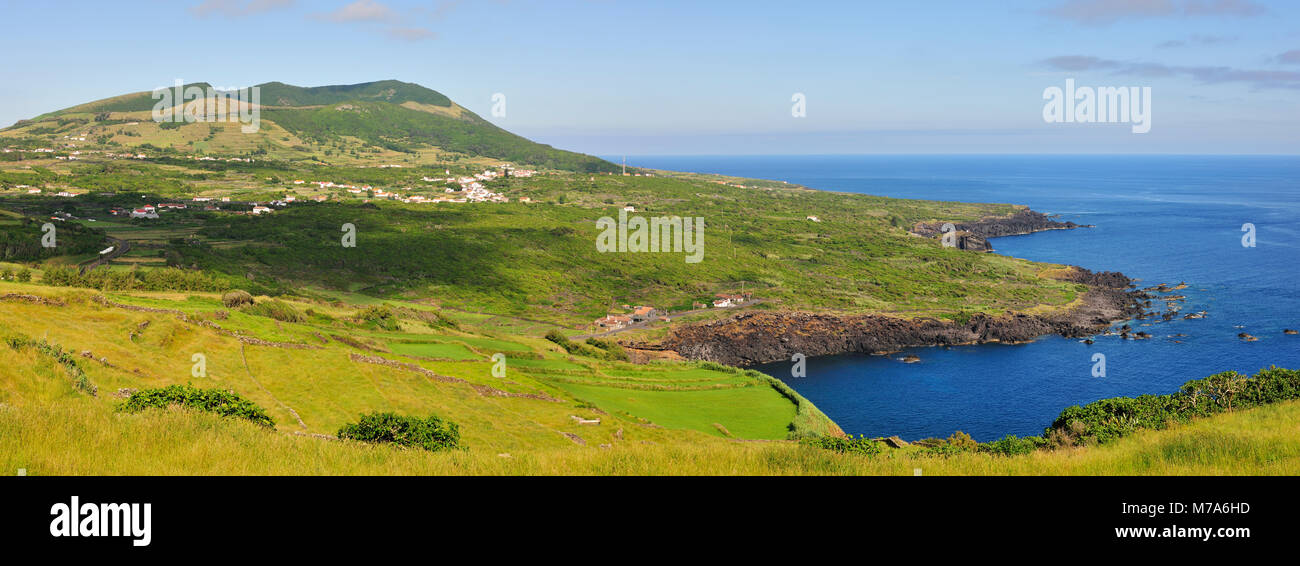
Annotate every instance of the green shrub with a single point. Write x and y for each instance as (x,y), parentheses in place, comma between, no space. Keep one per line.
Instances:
(844,444)
(432,433)
(1109,419)
(581,349)
(961,441)
(1013,446)
(613,350)
(276,309)
(167,279)
(237,298)
(379,316)
(65,359)
(224,403)
(715,366)
(555,336)
(432,319)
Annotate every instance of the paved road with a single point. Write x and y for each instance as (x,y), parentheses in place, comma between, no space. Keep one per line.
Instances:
(119,247)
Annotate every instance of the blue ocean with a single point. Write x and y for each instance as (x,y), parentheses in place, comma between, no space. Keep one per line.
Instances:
(1162,219)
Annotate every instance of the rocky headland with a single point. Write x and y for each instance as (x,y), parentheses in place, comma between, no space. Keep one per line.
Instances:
(974,236)
(761,337)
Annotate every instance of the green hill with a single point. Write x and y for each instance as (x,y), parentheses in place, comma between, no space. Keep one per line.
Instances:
(390,91)
(408,130)
(373,121)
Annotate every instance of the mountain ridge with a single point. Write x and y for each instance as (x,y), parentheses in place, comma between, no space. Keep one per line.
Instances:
(376,120)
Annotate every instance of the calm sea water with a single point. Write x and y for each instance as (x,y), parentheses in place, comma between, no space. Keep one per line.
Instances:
(1163,219)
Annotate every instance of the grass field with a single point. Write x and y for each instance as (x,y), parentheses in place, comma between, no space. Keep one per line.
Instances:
(326,386)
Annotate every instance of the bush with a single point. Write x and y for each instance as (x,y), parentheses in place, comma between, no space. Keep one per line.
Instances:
(581,349)
(66,359)
(555,336)
(613,350)
(1013,446)
(167,279)
(844,444)
(276,309)
(1109,419)
(962,440)
(432,433)
(380,317)
(224,403)
(237,298)
(715,366)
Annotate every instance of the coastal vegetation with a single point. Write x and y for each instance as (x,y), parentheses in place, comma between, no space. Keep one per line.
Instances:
(1107,420)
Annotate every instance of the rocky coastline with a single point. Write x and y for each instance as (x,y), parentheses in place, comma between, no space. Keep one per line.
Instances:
(974,236)
(762,337)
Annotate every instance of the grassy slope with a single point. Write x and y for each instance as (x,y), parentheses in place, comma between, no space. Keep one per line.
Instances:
(327,388)
(540,260)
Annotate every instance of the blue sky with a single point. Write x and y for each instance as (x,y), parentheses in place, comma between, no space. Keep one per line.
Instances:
(711,77)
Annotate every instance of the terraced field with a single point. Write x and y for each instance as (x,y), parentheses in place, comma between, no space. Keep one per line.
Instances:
(726,404)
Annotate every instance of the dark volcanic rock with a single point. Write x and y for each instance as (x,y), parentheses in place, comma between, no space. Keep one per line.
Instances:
(974,235)
(760,337)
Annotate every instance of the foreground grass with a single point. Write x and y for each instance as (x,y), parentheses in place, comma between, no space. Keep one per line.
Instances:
(80,436)
(317,390)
